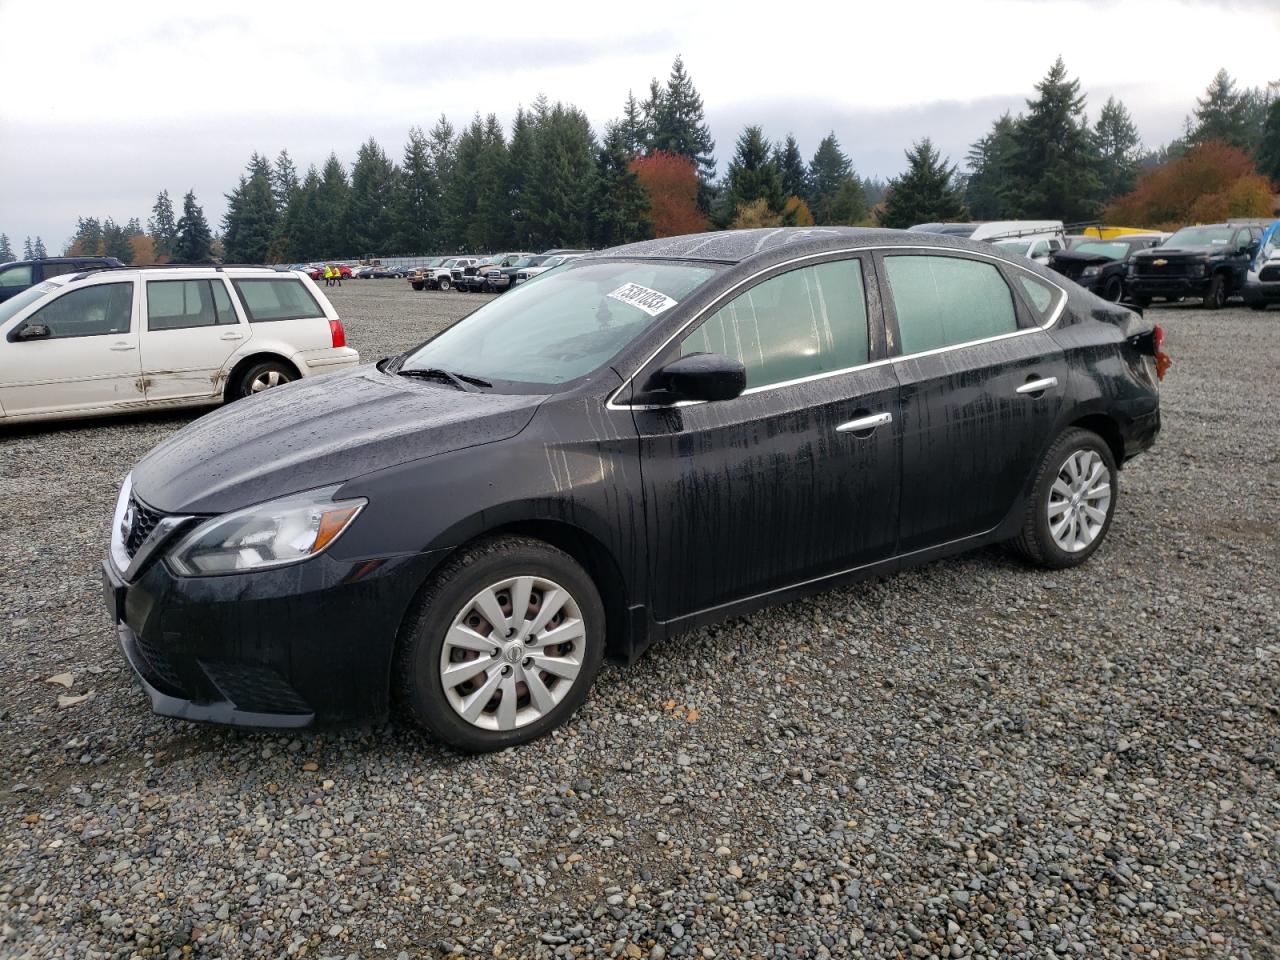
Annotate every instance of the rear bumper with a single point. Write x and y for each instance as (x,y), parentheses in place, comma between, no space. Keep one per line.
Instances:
(327,360)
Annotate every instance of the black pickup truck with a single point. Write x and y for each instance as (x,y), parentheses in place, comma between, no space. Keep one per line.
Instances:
(1100,265)
(1208,262)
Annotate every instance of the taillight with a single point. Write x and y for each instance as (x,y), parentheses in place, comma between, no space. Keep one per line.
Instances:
(1157,337)
(337,333)
(1163,360)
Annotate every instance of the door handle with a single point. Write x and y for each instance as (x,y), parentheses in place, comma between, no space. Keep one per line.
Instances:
(233,336)
(865,423)
(124,346)
(1038,386)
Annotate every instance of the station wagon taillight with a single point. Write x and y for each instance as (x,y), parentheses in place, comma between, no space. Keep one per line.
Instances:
(339,335)
(1163,360)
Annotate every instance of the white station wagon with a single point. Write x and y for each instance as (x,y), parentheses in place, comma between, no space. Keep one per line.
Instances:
(112,341)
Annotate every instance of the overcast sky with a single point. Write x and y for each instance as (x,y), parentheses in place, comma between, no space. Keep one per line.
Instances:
(108,103)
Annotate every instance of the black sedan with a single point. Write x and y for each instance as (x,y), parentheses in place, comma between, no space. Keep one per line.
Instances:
(651,438)
(1100,265)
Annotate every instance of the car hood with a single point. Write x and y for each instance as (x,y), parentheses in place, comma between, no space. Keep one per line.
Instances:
(1071,256)
(1183,251)
(318,432)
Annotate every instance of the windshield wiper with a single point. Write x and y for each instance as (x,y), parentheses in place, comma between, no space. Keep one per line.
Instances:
(462,381)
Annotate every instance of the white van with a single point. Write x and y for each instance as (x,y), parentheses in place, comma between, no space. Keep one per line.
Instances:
(1036,240)
(117,340)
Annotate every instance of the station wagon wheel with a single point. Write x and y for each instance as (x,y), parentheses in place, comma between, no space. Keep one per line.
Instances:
(1072,503)
(263,376)
(502,646)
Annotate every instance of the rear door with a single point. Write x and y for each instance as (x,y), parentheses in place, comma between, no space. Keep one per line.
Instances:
(88,360)
(283,313)
(982,384)
(191,331)
(797,478)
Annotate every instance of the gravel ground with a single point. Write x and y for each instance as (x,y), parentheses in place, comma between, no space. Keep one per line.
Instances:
(972,759)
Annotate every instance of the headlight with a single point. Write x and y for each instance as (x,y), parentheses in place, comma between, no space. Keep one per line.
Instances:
(1200,270)
(120,526)
(271,534)
(1091,271)
(1133,270)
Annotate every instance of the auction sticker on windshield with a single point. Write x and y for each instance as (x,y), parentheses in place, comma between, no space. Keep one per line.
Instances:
(652,302)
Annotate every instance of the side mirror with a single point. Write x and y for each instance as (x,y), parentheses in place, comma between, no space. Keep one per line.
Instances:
(33,331)
(700,376)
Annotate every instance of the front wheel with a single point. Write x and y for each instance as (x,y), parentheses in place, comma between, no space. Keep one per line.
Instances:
(1112,290)
(1071,505)
(1216,296)
(444,284)
(502,647)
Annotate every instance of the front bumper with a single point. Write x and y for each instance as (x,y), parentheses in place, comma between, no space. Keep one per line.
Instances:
(308,643)
(1260,291)
(1166,286)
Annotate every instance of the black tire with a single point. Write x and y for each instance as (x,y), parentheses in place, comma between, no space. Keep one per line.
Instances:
(1215,297)
(1112,290)
(444,284)
(418,690)
(245,386)
(1034,541)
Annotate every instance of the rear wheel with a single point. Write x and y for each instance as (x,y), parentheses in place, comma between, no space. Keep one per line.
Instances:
(1072,503)
(263,376)
(502,647)
(1216,296)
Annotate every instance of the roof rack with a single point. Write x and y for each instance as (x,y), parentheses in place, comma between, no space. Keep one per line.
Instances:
(171,266)
(1029,232)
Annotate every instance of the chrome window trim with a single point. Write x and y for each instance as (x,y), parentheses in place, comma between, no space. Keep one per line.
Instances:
(613,404)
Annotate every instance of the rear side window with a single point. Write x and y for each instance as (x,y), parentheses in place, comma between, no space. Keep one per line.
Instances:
(182,304)
(1041,295)
(95,311)
(804,322)
(943,301)
(19,276)
(283,299)
(58,269)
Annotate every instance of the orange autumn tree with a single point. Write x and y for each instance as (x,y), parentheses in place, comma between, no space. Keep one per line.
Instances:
(672,184)
(1209,182)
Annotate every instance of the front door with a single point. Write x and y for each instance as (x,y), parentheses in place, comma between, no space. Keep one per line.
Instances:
(797,478)
(982,385)
(192,329)
(87,360)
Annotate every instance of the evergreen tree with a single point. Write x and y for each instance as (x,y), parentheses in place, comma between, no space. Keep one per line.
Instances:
(491,228)
(1268,159)
(828,171)
(791,168)
(88,238)
(332,197)
(1118,147)
(1221,114)
(162,226)
(634,129)
(6,251)
(650,108)
(442,145)
(284,182)
(563,188)
(193,242)
(302,229)
(249,225)
(460,188)
(371,208)
(418,203)
(521,155)
(924,193)
(752,176)
(990,163)
(27,253)
(621,208)
(849,205)
(1055,162)
(133,227)
(679,122)
(115,241)
(38,251)
(874,190)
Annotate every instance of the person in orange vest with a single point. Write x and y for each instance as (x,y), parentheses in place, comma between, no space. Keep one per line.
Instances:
(337,274)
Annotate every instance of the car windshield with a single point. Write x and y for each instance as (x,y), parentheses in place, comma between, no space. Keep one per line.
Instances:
(11,307)
(561,328)
(1201,237)
(1112,251)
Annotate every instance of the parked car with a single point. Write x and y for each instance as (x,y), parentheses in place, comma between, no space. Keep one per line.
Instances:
(1262,285)
(126,339)
(418,276)
(1037,248)
(1100,265)
(650,439)
(387,272)
(1208,262)
(441,277)
(542,263)
(18,275)
(501,277)
(317,272)
(483,278)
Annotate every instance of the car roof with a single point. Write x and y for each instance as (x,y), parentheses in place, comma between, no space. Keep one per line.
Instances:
(779,243)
